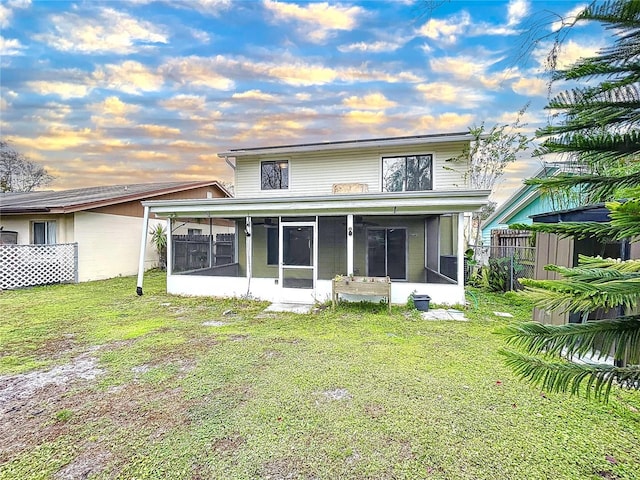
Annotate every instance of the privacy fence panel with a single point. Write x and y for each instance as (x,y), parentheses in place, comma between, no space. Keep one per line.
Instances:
(30,265)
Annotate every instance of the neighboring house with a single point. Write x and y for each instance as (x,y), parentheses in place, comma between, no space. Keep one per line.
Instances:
(551,249)
(103,221)
(519,207)
(307,213)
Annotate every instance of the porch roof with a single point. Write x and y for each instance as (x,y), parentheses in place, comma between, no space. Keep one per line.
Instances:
(397,203)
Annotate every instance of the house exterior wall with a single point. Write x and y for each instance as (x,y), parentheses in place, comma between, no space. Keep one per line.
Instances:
(23,225)
(315,173)
(109,245)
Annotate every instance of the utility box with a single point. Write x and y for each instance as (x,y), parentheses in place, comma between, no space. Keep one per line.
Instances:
(8,237)
(421,302)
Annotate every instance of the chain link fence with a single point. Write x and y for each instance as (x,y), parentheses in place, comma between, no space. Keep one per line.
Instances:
(32,265)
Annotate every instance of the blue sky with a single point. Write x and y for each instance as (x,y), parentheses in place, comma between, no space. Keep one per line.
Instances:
(142,90)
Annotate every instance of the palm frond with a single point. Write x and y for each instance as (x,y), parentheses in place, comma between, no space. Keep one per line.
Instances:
(620,336)
(560,376)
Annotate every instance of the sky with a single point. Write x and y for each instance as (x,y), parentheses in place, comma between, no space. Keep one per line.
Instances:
(134,91)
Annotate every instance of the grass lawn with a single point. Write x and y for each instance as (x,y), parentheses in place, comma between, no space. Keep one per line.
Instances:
(96,382)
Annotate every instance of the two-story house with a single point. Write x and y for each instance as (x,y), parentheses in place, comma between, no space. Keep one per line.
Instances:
(304,214)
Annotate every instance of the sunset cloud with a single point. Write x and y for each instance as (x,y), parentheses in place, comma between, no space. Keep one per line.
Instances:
(63,90)
(160,131)
(530,86)
(129,77)
(373,101)
(190,103)
(449,93)
(254,95)
(365,117)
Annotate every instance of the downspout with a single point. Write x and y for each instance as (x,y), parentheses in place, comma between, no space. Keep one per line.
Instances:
(143,249)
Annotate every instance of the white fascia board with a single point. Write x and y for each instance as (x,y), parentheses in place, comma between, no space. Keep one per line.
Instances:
(356,144)
(407,203)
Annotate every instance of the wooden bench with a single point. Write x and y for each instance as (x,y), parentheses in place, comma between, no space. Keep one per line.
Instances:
(362,286)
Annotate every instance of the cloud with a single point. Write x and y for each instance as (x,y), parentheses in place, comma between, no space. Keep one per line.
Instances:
(372,47)
(110,31)
(129,77)
(64,90)
(6,10)
(281,126)
(443,92)
(530,87)
(254,95)
(160,131)
(446,122)
(446,31)
(373,101)
(112,111)
(318,21)
(10,47)
(189,103)
(116,107)
(57,138)
(365,117)
(199,71)
(568,18)
(517,10)
(570,52)
(207,7)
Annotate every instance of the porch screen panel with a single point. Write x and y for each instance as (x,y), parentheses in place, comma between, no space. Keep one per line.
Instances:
(297,246)
(387,253)
(376,253)
(396,253)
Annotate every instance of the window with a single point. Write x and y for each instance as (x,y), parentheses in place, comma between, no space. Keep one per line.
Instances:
(272,245)
(406,174)
(44,233)
(387,253)
(274,175)
(194,231)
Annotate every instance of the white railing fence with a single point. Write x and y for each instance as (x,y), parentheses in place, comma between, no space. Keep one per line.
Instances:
(31,265)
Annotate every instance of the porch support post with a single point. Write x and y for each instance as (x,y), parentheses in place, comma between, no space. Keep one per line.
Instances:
(350,234)
(461,249)
(169,227)
(248,246)
(143,249)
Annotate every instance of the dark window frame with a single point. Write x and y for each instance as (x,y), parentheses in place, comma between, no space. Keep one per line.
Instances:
(408,181)
(274,175)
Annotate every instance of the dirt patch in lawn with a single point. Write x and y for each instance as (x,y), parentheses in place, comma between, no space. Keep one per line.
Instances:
(41,407)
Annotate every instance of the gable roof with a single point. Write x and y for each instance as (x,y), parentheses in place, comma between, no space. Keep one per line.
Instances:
(68,201)
(519,199)
(350,144)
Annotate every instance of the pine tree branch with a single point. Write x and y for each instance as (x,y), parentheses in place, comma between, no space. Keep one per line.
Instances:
(570,377)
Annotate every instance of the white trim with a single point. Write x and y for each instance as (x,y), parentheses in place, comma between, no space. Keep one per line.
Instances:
(389,203)
(350,244)
(352,144)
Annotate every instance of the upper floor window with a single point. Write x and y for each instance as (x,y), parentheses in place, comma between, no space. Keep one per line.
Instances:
(407,173)
(44,233)
(274,175)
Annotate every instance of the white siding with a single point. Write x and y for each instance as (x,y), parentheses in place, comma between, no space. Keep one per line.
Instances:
(315,173)
(109,245)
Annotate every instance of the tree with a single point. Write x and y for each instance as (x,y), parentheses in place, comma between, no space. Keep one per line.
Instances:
(159,240)
(18,173)
(599,128)
(489,153)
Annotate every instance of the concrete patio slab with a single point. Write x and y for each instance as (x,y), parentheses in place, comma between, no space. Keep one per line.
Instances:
(444,314)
